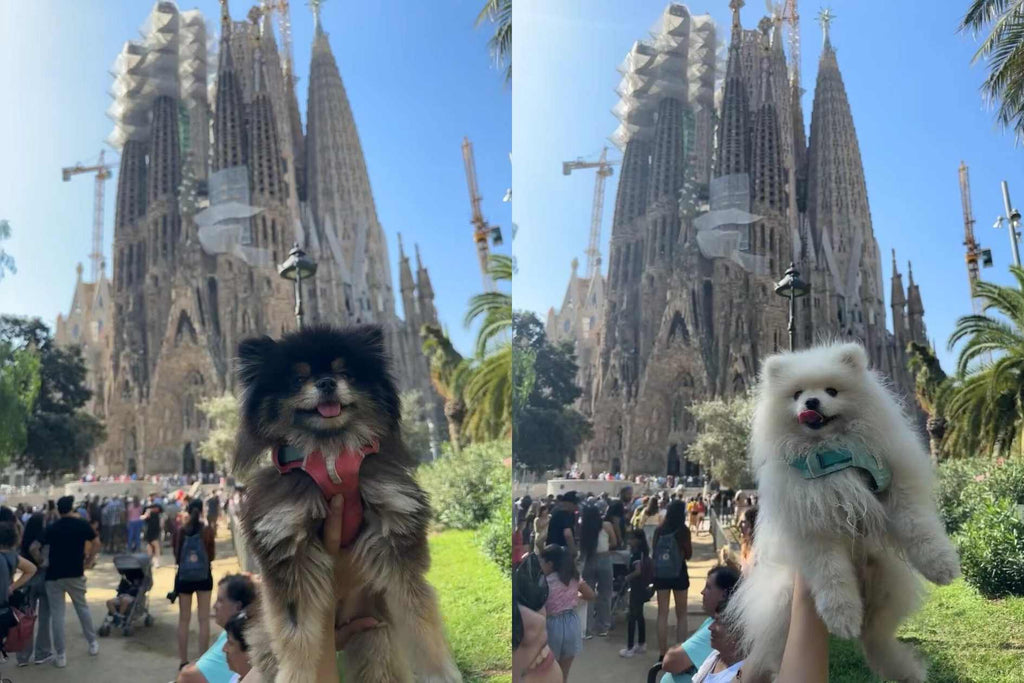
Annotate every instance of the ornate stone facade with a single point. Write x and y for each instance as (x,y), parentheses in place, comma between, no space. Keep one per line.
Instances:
(207,205)
(699,239)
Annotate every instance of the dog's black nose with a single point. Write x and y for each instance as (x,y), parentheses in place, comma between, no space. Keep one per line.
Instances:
(326,385)
(811,403)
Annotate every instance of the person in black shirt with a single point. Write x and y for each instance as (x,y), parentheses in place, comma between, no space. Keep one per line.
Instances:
(561,529)
(151,533)
(73,544)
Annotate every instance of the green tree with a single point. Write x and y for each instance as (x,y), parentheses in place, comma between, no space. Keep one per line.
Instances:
(1003,51)
(6,260)
(499,13)
(546,429)
(222,413)
(932,389)
(415,430)
(60,435)
(19,387)
(488,391)
(449,373)
(722,437)
(986,405)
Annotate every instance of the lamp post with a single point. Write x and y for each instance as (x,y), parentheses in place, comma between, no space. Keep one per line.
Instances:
(792,287)
(296,268)
(1013,222)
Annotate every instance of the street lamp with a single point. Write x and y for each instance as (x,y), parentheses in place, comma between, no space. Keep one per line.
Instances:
(296,268)
(792,287)
(1013,220)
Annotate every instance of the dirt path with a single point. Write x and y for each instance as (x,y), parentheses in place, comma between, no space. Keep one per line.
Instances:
(150,655)
(600,661)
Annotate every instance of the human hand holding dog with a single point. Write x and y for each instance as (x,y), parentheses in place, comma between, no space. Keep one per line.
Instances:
(338,636)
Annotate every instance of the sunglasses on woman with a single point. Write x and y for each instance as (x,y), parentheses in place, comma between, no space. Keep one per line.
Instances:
(530,590)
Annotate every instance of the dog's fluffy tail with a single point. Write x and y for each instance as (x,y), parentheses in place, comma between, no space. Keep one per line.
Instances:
(760,608)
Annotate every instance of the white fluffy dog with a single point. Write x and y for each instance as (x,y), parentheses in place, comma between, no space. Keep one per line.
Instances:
(846,499)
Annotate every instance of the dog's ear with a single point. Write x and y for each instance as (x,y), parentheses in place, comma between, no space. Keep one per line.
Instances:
(853,356)
(773,367)
(253,353)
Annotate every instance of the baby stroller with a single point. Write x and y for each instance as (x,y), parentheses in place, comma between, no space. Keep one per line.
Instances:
(134,568)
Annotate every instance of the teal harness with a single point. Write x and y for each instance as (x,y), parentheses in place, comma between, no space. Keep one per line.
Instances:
(823,463)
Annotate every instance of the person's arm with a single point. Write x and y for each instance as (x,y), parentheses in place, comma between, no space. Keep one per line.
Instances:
(36,551)
(613,536)
(586,592)
(211,544)
(676,660)
(28,570)
(191,674)
(92,545)
(570,541)
(806,656)
(687,544)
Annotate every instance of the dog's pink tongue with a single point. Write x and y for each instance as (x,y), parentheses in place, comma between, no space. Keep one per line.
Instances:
(809,416)
(329,409)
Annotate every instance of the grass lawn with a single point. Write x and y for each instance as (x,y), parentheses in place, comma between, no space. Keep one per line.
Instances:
(965,638)
(476,603)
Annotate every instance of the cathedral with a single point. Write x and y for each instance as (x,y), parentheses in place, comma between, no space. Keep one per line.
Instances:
(217,181)
(719,192)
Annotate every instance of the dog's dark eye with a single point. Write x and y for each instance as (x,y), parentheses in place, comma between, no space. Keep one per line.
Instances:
(830,391)
(796,396)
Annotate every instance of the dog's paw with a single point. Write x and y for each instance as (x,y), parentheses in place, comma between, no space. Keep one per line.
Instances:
(843,618)
(944,569)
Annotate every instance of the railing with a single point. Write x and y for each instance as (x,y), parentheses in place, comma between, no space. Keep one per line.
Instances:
(718,536)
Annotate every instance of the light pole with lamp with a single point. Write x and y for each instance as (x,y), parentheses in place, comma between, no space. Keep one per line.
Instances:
(792,287)
(1013,216)
(297,267)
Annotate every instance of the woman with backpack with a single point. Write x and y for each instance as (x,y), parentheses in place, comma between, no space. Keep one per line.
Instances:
(672,547)
(193,552)
(597,537)
(33,550)
(10,563)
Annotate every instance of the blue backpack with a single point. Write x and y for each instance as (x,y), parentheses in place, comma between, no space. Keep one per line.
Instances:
(194,565)
(668,563)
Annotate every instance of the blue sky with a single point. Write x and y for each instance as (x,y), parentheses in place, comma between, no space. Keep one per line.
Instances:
(916,107)
(418,76)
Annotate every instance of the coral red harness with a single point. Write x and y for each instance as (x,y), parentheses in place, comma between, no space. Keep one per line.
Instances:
(334,474)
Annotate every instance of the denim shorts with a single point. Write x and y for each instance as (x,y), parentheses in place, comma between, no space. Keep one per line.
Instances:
(564,636)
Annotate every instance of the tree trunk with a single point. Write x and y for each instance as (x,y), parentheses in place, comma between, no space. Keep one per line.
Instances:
(936,427)
(455,412)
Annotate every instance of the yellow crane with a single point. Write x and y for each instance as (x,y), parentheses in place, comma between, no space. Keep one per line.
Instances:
(102,171)
(974,252)
(482,230)
(604,171)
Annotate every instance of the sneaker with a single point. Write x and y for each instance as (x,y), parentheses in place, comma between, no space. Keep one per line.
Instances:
(627,652)
(43,660)
(588,636)
(61,661)
(94,648)
(25,663)
(640,649)
(602,634)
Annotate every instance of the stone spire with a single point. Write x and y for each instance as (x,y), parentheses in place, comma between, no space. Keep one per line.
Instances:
(424,293)
(733,131)
(229,140)
(915,309)
(767,172)
(264,144)
(407,287)
(338,183)
(837,192)
(898,303)
(131,186)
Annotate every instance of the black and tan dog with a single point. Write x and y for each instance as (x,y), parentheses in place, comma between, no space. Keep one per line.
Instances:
(323,402)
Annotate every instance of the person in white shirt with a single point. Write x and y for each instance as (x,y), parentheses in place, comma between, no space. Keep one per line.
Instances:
(725,662)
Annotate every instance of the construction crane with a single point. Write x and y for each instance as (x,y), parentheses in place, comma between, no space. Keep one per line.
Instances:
(787,14)
(102,171)
(482,230)
(604,170)
(974,252)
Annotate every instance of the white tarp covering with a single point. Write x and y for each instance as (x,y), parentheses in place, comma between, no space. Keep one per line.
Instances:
(225,227)
(724,231)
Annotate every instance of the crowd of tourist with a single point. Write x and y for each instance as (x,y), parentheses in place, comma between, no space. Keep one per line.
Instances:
(604,551)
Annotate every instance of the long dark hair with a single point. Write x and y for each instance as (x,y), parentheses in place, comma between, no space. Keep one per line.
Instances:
(652,506)
(195,510)
(675,518)
(638,534)
(590,528)
(562,560)
(617,516)
(33,532)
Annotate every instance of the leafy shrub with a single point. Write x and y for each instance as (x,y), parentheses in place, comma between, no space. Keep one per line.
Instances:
(467,488)
(495,537)
(958,491)
(992,549)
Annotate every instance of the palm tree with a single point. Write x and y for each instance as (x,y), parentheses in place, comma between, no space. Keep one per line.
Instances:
(1003,49)
(932,391)
(988,402)
(489,391)
(499,13)
(449,373)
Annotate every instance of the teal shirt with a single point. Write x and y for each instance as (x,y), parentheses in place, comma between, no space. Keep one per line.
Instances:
(697,647)
(214,664)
